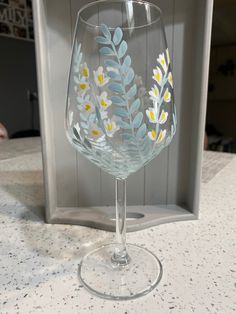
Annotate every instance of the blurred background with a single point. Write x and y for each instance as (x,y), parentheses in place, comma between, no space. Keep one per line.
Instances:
(19,112)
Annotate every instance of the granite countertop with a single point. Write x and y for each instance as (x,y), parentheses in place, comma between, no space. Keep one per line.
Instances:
(39,262)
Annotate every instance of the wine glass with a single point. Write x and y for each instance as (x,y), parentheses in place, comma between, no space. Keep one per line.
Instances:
(120,114)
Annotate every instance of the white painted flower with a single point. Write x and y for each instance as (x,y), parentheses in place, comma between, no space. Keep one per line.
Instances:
(157,75)
(163,117)
(161,136)
(168,56)
(84,70)
(99,77)
(94,131)
(152,135)
(167,95)
(71,114)
(87,107)
(111,127)
(170,79)
(82,87)
(161,59)
(104,102)
(154,93)
(103,114)
(152,115)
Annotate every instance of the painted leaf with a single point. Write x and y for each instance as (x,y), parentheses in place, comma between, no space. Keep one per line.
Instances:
(129,77)
(118,34)
(117,100)
(111,63)
(123,124)
(122,49)
(106,51)
(105,31)
(138,120)
(114,75)
(141,131)
(116,87)
(132,91)
(127,61)
(102,40)
(135,105)
(118,111)
(128,137)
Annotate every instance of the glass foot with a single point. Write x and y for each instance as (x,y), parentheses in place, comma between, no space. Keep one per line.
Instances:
(104,278)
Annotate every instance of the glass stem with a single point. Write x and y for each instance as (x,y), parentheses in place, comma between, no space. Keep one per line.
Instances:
(120,256)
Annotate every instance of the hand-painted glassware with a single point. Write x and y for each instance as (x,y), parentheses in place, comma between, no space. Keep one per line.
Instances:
(120,114)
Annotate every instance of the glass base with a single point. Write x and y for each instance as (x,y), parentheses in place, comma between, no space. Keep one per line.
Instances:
(108,280)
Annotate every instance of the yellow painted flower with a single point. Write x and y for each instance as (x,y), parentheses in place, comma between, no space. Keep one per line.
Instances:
(157,75)
(154,93)
(161,59)
(95,132)
(163,117)
(104,102)
(88,107)
(168,56)
(167,95)
(84,70)
(161,136)
(152,115)
(170,79)
(152,135)
(82,86)
(100,78)
(111,127)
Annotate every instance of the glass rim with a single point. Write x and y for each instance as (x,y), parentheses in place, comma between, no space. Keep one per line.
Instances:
(94,3)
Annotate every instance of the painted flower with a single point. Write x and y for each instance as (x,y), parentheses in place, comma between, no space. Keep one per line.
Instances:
(167,95)
(82,87)
(170,79)
(111,127)
(104,102)
(99,77)
(154,93)
(161,136)
(152,135)
(94,131)
(163,117)
(161,59)
(157,75)
(87,107)
(168,56)
(152,115)
(84,70)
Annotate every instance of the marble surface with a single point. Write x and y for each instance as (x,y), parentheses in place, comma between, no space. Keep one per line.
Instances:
(39,262)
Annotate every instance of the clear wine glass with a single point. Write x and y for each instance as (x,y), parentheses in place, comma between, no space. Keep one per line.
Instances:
(120,114)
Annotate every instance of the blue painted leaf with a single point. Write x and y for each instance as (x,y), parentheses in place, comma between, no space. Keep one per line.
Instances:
(129,77)
(84,125)
(105,31)
(79,99)
(102,40)
(135,105)
(118,111)
(124,125)
(141,131)
(106,51)
(118,100)
(116,87)
(138,120)
(132,91)
(122,49)
(114,75)
(128,137)
(127,61)
(112,63)
(118,34)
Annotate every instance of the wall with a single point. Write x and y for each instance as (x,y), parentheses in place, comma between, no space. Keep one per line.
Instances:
(17,75)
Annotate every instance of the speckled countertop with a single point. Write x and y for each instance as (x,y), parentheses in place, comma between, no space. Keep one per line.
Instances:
(38,261)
